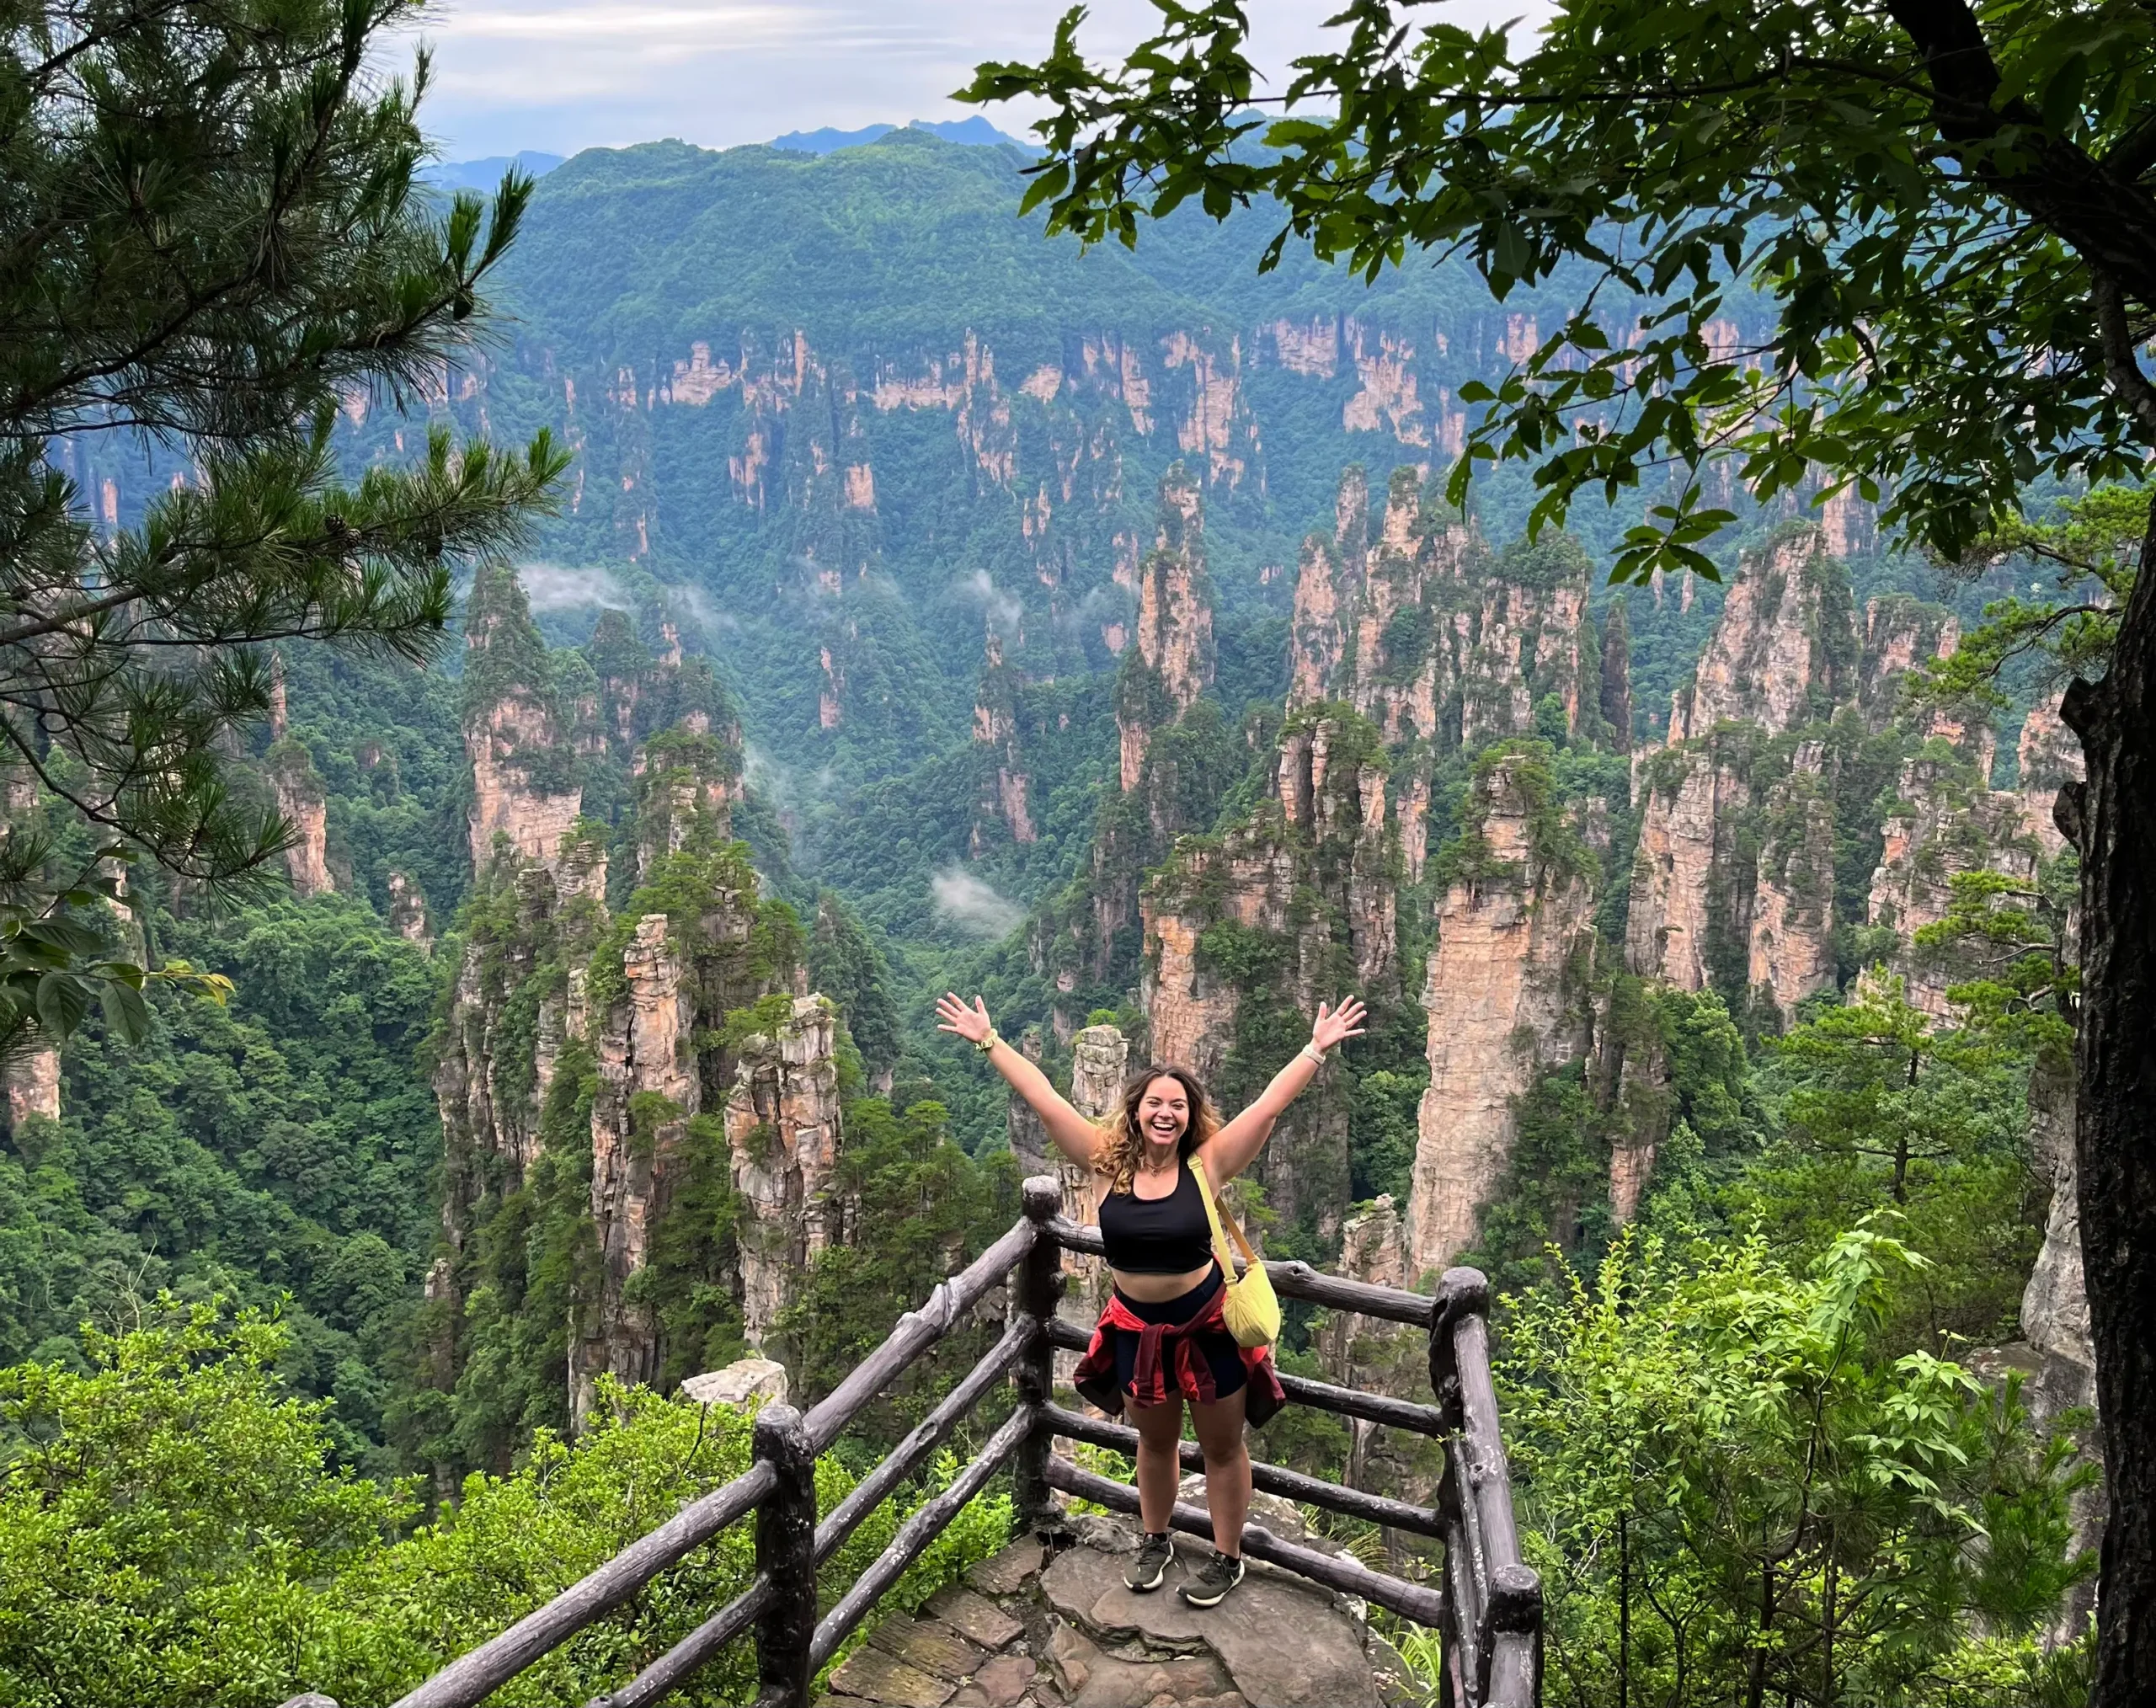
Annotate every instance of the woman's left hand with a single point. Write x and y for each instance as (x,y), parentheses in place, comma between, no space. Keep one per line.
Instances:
(1333,1025)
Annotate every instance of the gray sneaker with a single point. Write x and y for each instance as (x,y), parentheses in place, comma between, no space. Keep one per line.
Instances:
(1145,1572)
(1208,1586)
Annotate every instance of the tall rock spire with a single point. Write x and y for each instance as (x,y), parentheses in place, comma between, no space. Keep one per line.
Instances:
(1785,651)
(1170,662)
(525,793)
(1505,998)
(1004,788)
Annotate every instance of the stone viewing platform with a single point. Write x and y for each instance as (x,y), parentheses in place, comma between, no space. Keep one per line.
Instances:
(1055,1627)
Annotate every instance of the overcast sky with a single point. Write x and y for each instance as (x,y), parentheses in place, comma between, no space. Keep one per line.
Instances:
(561,75)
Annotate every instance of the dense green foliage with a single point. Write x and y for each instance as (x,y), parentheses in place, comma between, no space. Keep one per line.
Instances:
(172,1530)
(1737,1489)
(283,1145)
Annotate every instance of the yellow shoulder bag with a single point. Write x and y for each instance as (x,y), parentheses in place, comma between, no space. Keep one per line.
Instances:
(1252,1309)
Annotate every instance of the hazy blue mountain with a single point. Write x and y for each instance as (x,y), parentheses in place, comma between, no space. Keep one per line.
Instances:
(486,174)
(975,130)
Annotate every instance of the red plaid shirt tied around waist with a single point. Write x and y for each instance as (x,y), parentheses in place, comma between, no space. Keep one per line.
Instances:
(1169,1362)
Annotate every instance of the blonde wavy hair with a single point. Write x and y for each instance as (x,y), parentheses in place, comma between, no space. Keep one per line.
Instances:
(1122,1141)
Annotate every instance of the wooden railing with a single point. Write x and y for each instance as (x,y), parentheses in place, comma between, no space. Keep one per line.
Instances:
(1487,1605)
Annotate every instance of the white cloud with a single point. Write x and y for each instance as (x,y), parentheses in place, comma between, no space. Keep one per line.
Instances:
(700,607)
(976,909)
(785,786)
(1106,603)
(556,587)
(1002,609)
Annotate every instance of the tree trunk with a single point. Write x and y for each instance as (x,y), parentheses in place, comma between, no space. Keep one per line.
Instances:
(2115,1055)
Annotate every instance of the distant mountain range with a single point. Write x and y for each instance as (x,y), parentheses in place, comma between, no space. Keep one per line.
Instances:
(975,130)
(487,173)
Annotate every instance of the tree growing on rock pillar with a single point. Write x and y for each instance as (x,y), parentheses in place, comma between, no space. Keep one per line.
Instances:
(1908,246)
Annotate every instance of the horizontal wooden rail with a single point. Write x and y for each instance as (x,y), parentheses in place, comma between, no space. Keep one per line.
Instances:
(471,1678)
(917,1330)
(1349,1576)
(1272,1479)
(1347,1402)
(1372,1408)
(903,1459)
(1294,1280)
(928,1522)
(656,1681)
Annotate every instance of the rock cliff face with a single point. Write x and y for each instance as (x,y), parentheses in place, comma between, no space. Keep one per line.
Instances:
(1004,787)
(524,792)
(1505,998)
(1899,634)
(1735,884)
(688,783)
(1172,661)
(1295,904)
(2055,1316)
(2049,756)
(302,803)
(1433,637)
(1689,801)
(1382,1357)
(1791,948)
(783,1128)
(648,1091)
(1782,652)
(1944,822)
(1446,646)
(1177,758)
(407,910)
(34,1087)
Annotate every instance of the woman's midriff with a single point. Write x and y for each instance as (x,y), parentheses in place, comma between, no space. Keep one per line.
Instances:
(1158,1289)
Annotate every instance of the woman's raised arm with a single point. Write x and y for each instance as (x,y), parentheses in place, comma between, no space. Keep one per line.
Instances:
(1230,1151)
(1075,1136)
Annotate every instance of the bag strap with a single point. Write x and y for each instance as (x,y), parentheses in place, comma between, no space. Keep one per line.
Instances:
(1212,1215)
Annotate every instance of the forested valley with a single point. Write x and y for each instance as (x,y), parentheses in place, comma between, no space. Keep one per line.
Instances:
(922,604)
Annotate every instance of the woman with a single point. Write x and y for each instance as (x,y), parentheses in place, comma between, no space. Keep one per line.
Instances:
(1162,1340)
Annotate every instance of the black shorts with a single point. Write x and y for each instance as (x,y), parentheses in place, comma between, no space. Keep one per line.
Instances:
(1216,1346)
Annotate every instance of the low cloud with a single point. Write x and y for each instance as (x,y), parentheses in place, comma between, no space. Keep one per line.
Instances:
(1107,603)
(1002,609)
(555,587)
(699,608)
(967,902)
(787,788)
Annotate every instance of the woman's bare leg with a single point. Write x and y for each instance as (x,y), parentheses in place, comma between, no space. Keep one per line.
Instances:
(1159,1434)
(1220,1430)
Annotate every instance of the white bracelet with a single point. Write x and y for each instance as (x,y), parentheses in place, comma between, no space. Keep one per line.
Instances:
(1314,1054)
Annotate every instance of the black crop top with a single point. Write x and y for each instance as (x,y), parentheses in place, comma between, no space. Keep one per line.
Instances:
(1157,1236)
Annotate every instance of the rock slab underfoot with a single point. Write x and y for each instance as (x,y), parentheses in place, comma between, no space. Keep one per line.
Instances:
(1029,1629)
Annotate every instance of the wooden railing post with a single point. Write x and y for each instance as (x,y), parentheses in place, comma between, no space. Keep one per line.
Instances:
(1460,1674)
(1040,1286)
(785,1557)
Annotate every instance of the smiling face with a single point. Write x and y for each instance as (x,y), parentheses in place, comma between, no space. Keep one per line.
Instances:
(1164,1112)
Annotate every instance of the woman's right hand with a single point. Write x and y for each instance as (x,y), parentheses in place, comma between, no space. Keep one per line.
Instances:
(972,1024)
